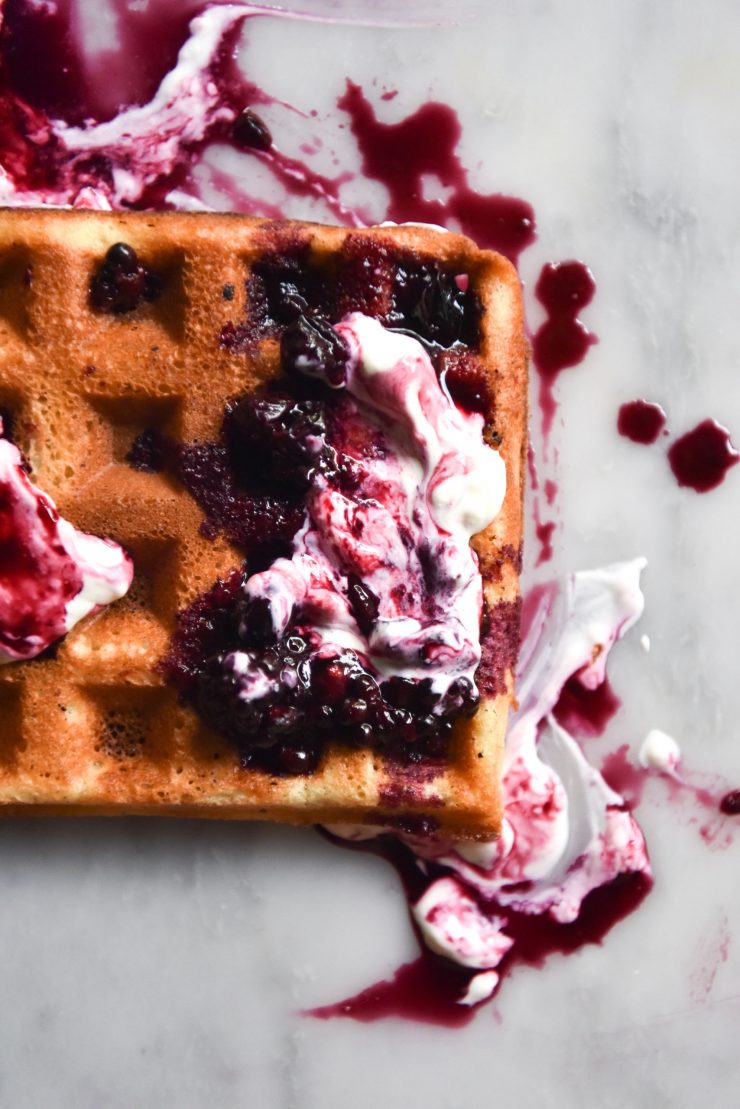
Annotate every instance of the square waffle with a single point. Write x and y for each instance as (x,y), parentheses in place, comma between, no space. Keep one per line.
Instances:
(96,728)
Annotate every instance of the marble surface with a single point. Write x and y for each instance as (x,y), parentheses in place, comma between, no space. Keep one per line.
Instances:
(157,964)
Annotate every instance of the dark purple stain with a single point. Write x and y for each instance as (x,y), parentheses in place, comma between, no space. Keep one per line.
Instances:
(564,289)
(701,458)
(641,421)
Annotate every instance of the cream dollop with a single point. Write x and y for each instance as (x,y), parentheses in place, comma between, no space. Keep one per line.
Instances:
(51,574)
(659,751)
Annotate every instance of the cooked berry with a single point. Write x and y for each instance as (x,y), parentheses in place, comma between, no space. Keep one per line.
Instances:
(256,628)
(121,282)
(460,699)
(311,346)
(331,680)
(467,383)
(363,602)
(147,452)
(274,440)
(283,287)
(249,520)
(355,710)
(297,759)
(429,302)
(249,131)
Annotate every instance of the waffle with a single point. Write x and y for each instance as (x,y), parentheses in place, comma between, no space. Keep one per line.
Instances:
(97,729)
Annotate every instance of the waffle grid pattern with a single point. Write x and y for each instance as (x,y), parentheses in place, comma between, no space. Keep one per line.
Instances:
(94,729)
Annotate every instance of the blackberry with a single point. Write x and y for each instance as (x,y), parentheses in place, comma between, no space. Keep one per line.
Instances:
(311,346)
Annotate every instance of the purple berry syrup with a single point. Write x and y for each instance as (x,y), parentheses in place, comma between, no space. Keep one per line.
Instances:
(564,289)
(429,988)
(701,458)
(641,421)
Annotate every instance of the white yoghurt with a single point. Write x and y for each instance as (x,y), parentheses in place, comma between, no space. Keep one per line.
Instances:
(434,486)
(659,751)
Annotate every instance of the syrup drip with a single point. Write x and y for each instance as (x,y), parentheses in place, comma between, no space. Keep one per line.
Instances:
(641,421)
(400,155)
(564,289)
(701,458)
(429,988)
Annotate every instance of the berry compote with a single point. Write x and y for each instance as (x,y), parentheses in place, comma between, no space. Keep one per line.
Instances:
(308,479)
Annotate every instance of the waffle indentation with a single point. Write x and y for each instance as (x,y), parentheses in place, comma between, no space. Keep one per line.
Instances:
(16,276)
(129,722)
(127,418)
(11,722)
(164,313)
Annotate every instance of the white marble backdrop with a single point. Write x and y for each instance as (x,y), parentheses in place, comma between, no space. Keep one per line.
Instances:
(161,964)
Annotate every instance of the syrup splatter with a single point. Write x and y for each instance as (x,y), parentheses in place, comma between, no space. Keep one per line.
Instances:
(430,989)
(400,155)
(585,712)
(564,289)
(701,458)
(641,421)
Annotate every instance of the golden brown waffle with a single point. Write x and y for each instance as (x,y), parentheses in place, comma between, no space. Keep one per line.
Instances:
(96,729)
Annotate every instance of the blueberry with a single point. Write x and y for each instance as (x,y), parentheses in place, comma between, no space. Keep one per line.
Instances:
(123,258)
(298,759)
(251,132)
(330,680)
(121,282)
(428,301)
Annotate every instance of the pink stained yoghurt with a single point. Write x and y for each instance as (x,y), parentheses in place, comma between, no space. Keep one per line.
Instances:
(428,485)
(51,574)
(142,144)
(565,833)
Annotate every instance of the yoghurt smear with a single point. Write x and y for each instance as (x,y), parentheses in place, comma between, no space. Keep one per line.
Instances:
(565,833)
(369,632)
(430,485)
(51,574)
